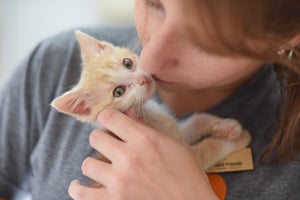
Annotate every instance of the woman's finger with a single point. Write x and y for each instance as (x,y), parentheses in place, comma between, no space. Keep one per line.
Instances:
(81,192)
(106,144)
(98,170)
(120,124)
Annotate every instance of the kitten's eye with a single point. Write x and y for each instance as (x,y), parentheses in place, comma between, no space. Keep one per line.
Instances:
(127,63)
(119,91)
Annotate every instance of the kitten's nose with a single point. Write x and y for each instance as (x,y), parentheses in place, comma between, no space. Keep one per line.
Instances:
(141,80)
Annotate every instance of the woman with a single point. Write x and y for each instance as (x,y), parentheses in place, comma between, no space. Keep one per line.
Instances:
(205,56)
(204,51)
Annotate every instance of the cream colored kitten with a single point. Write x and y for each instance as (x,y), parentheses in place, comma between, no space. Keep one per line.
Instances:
(111,77)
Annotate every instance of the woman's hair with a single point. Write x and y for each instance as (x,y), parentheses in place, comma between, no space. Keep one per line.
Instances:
(258,29)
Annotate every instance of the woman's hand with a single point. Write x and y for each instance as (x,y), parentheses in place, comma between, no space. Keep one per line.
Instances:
(146,165)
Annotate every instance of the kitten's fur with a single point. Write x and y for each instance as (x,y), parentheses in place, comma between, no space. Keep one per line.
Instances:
(111,77)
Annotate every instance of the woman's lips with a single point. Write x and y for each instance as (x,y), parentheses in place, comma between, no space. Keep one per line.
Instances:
(158,80)
(166,85)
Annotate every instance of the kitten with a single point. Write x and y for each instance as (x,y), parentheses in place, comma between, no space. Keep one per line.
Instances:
(112,77)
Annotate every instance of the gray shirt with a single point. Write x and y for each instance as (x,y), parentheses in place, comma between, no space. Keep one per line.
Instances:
(41,150)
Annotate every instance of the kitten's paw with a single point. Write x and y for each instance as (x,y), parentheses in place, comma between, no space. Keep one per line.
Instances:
(244,139)
(239,143)
(228,129)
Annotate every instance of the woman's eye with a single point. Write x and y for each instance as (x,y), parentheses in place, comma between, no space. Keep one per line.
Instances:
(157,7)
(127,63)
(154,4)
(119,91)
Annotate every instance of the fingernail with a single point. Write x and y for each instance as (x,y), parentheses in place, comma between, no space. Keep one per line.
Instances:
(104,114)
(84,166)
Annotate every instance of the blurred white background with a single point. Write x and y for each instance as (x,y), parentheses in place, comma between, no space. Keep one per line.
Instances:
(24,23)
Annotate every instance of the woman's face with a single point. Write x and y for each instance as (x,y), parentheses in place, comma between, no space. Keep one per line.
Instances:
(174,61)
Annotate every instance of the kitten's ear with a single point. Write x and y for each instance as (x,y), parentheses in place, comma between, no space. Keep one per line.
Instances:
(90,47)
(74,103)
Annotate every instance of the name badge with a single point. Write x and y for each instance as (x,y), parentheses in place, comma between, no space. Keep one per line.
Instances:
(241,160)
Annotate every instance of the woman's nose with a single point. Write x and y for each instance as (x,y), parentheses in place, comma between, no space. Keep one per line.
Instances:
(160,51)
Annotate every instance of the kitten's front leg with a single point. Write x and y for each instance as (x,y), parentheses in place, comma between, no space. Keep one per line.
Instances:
(203,125)
(216,137)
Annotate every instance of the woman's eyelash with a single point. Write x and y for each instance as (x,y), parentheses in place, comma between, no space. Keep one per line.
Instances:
(152,4)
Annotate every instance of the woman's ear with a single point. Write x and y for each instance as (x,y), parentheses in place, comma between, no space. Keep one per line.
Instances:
(289,46)
(293,42)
